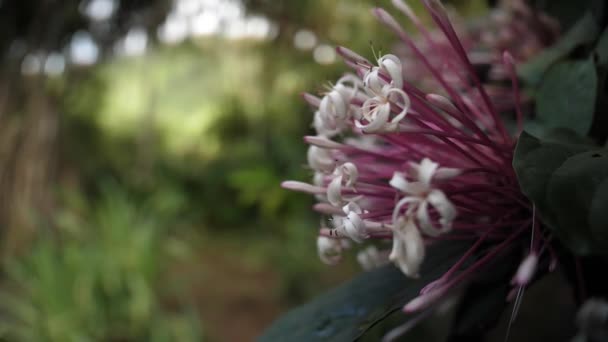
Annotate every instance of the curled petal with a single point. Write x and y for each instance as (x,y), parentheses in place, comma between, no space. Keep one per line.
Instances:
(414,201)
(377,115)
(334,105)
(405,106)
(334,191)
(425,170)
(349,172)
(335,108)
(373,81)
(344,175)
(400,183)
(350,80)
(392,65)
(351,226)
(322,126)
(445,209)
(408,248)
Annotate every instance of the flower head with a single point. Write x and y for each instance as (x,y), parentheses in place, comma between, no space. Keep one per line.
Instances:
(419,165)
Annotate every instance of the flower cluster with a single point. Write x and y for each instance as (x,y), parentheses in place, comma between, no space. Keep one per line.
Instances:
(513,26)
(402,168)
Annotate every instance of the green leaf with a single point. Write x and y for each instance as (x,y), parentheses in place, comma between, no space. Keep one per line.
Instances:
(346,312)
(563,178)
(535,161)
(583,32)
(566,97)
(577,196)
(567,12)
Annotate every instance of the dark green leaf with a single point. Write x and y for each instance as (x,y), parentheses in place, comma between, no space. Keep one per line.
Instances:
(578,199)
(564,179)
(535,161)
(567,136)
(583,32)
(349,310)
(567,12)
(566,97)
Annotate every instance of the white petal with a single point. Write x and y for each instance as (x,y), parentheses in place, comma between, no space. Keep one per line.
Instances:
(405,105)
(392,65)
(322,127)
(422,214)
(350,80)
(408,248)
(330,250)
(426,170)
(334,191)
(373,81)
(339,104)
(445,209)
(320,159)
(350,172)
(414,201)
(399,181)
(355,227)
(378,118)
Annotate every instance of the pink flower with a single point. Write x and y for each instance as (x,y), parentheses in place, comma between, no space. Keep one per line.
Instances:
(419,166)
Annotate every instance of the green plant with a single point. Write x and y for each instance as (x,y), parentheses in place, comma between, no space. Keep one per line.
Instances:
(96,279)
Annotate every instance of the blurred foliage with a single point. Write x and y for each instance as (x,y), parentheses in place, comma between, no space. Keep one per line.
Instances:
(193,137)
(98,280)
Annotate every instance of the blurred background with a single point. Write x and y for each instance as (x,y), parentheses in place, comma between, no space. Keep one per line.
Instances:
(142,144)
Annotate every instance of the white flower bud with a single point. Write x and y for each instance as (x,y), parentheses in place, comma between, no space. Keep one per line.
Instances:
(330,250)
(320,159)
(369,258)
(526,270)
